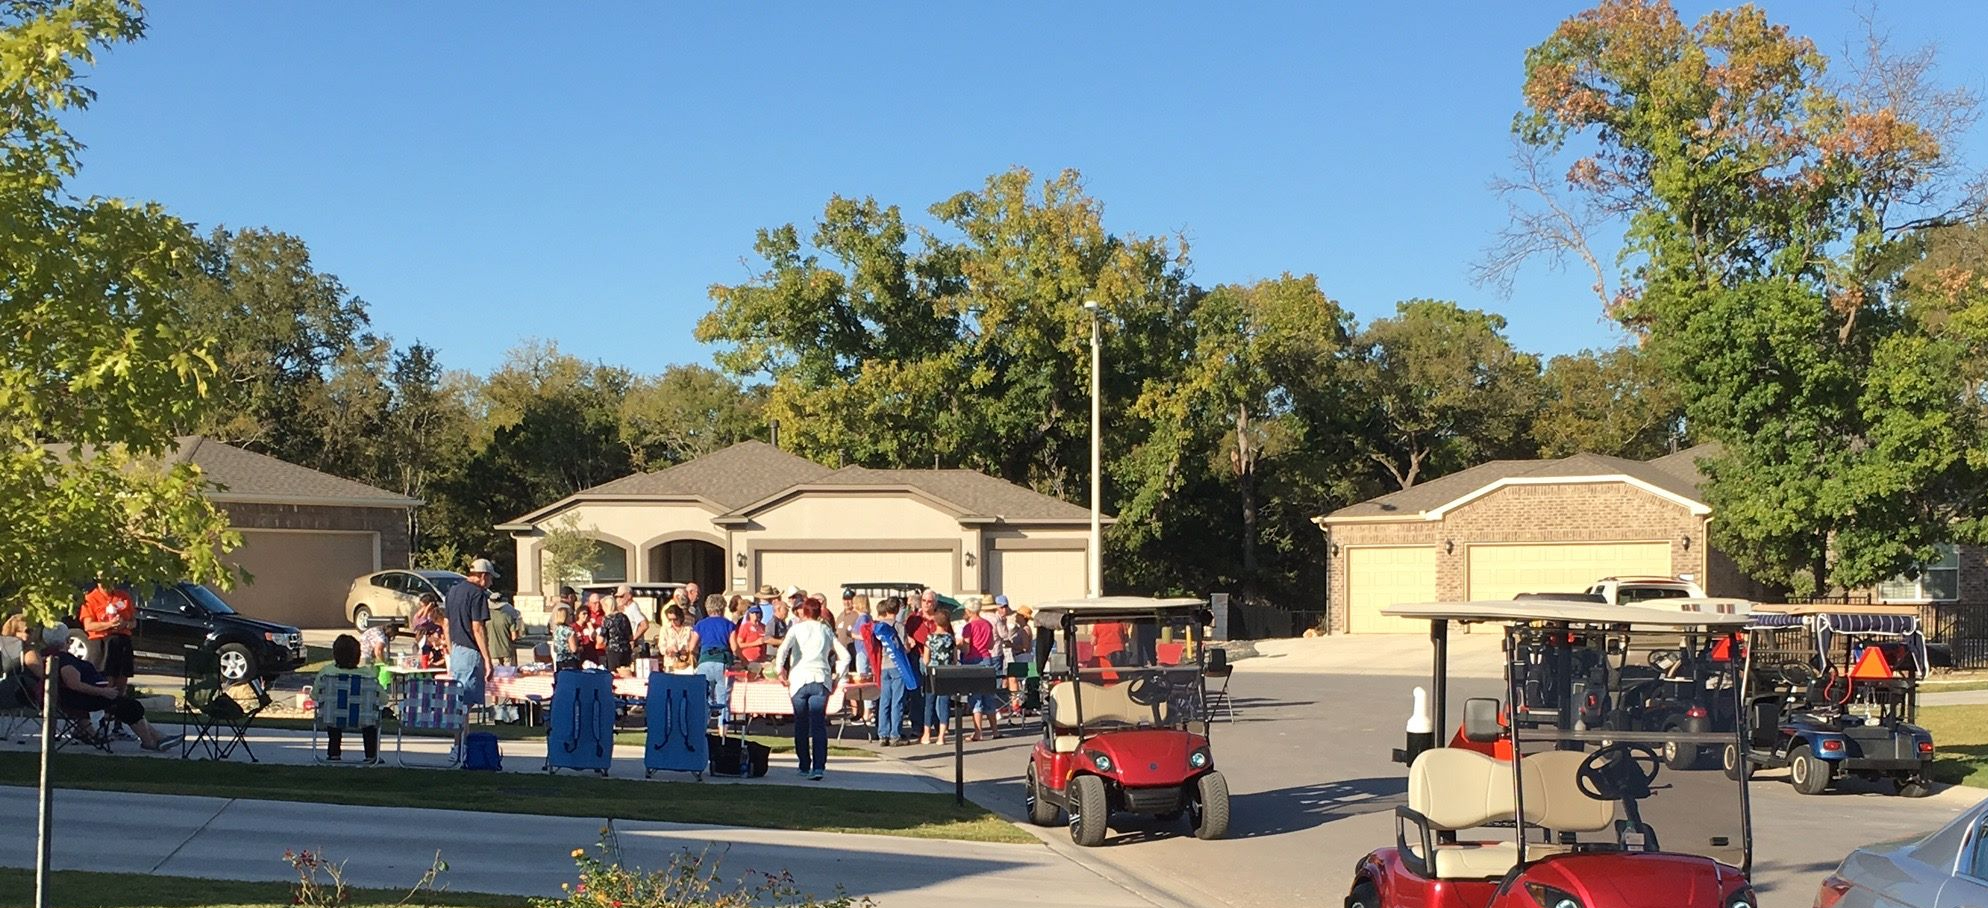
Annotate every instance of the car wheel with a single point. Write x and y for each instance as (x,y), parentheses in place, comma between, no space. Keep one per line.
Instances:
(1090,811)
(1731,763)
(1210,807)
(1809,773)
(1364,896)
(236,662)
(1914,787)
(362,617)
(1040,811)
(1677,756)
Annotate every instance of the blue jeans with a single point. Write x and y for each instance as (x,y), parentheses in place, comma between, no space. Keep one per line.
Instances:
(811,726)
(890,706)
(938,712)
(985,704)
(914,712)
(466,667)
(717,688)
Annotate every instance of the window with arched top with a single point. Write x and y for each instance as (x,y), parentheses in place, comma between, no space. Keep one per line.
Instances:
(605,563)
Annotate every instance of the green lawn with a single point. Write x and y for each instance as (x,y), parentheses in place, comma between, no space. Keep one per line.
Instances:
(1960,742)
(796,807)
(779,744)
(81,889)
(1938,687)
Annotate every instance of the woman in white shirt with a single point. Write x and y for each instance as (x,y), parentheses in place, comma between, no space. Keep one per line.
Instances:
(812,662)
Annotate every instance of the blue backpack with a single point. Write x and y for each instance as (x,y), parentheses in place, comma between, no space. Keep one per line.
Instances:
(480,752)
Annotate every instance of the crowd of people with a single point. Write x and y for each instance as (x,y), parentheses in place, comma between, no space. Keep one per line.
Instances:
(98,685)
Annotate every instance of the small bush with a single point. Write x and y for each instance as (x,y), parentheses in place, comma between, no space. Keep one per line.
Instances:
(690,881)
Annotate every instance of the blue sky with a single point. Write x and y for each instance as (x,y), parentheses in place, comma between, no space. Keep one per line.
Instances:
(483,173)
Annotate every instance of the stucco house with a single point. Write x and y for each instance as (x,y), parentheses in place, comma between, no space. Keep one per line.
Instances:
(754,514)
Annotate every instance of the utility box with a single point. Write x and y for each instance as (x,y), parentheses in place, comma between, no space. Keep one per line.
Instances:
(1219,604)
(961,680)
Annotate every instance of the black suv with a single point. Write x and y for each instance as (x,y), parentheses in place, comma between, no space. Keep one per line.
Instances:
(179,618)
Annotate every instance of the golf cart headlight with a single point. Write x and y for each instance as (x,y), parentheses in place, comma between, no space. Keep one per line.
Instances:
(1102,762)
(1198,759)
(1549,897)
(1742,899)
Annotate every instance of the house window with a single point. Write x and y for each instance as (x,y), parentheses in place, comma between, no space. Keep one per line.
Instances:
(1935,582)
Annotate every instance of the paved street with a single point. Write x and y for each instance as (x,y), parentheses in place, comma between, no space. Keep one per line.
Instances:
(1314,789)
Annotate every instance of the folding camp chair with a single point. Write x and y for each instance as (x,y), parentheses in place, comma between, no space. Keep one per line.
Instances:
(219,719)
(431,704)
(20,699)
(1217,671)
(351,703)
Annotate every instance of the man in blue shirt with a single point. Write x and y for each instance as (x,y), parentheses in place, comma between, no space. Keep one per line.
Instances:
(465,611)
(716,651)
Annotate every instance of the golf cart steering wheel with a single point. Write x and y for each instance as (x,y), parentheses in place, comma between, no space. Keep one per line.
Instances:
(1148,688)
(1618,772)
(1797,674)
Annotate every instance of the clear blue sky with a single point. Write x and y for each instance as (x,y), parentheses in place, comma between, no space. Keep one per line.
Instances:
(487,172)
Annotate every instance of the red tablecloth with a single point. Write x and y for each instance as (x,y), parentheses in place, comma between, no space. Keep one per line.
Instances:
(521,688)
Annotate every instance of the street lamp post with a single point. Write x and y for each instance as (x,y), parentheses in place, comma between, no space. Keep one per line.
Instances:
(1097,472)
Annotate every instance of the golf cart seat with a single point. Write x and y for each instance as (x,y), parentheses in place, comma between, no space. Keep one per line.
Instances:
(1104,705)
(1453,789)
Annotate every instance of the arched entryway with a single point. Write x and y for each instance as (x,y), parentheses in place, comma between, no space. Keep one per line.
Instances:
(686,560)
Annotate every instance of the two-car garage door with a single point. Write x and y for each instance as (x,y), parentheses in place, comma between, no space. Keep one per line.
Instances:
(1380,576)
(300,577)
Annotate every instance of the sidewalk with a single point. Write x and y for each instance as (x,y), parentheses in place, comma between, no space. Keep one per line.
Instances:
(218,838)
(1472,655)
(282,746)
(1930,697)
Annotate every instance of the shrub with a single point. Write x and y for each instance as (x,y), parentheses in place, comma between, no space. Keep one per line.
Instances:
(690,881)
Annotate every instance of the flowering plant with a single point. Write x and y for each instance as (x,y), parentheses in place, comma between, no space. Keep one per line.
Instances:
(689,881)
(321,881)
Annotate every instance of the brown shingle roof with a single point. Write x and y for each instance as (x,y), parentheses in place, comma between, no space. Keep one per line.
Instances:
(1684,464)
(1675,473)
(976,493)
(242,475)
(729,477)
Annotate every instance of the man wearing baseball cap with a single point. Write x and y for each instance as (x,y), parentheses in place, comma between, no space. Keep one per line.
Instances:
(465,613)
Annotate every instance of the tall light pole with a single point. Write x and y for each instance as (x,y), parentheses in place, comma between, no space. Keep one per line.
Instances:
(1097,472)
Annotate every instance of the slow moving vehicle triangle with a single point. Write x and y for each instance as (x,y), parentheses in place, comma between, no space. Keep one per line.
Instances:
(1872,666)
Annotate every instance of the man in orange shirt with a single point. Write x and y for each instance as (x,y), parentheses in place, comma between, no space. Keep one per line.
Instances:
(108,619)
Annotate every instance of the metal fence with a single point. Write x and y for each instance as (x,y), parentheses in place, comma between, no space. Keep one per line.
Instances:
(1956,632)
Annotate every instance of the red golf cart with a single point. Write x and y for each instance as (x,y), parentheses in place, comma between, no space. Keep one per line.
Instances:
(1555,794)
(1125,728)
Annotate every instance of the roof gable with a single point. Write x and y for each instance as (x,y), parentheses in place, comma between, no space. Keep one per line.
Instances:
(730,477)
(1432,499)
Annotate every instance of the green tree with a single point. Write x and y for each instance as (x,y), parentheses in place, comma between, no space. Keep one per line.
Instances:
(1609,402)
(1442,389)
(566,551)
(96,354)
(1770,212)
(687,412)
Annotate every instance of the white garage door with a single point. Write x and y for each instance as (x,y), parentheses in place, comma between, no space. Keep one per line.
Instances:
(1504,571)
(300,578)
(826,572)
(1387,575)
(1030,577)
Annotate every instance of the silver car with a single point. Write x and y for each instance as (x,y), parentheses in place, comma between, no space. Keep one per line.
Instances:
(394,594)
(1948,869)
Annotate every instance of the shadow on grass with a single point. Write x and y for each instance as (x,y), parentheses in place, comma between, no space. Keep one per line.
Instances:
(84,889)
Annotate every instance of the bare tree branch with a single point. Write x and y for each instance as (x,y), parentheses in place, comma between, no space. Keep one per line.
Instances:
(1543,224)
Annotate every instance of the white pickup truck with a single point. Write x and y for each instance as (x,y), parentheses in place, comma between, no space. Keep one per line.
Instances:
(1630,590)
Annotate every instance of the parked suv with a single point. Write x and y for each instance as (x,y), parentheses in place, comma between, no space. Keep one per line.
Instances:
(177,618)
(1631,590)
(393,594)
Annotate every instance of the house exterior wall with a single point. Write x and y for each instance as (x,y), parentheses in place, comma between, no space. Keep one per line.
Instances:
(1537,513)
(636,527)
(389,523)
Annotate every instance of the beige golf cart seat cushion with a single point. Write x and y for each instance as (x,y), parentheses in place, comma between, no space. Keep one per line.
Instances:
(1459,789)
(1105,705)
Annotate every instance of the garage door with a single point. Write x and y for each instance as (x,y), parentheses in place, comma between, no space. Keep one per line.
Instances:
(826,572)
(1034,577)
(1388,575)
(1504,571)
(300,578)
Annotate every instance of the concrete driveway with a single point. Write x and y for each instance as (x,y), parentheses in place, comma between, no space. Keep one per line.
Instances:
(1314,790)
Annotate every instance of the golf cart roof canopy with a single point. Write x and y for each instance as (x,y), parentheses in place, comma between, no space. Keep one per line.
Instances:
(1107,608)
(1670,613)
(1828,626)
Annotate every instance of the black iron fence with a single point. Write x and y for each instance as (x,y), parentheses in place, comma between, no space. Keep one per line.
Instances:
(1956,632)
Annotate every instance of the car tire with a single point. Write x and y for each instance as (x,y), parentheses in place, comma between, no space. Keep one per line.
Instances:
(1807,772)
(361,617)
(236,663)
(1090,811)
(1364,896)
(1730,761)
(1914,787)
(1210,807)
(1680,757)
(1041,812)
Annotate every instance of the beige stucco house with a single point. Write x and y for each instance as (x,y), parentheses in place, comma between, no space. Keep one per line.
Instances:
(753,514)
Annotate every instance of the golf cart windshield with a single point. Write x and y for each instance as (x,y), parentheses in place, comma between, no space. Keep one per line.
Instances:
(1606,714)
(1139,661)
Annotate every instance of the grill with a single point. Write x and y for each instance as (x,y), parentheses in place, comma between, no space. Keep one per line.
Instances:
(1152,800)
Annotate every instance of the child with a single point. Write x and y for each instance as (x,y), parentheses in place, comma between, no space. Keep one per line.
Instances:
(345,664)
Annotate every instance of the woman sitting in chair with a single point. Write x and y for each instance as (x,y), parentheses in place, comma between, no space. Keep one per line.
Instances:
(345,664)
(81,690)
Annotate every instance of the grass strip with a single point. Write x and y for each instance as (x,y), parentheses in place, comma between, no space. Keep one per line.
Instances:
(89,889)
(1960,743)
(762,805)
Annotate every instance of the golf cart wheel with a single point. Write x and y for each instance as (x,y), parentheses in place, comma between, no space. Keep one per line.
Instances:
(1680,757)
(1731,763)
(1808,772)
(1910,786)
(1090,811)
(1040,811)
(1210,807)
(1364,896)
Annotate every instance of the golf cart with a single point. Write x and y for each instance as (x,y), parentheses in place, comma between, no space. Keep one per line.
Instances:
(1124,730)
(1834,694)
(1558,811)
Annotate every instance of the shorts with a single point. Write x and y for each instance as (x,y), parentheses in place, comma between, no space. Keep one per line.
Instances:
(617,658)
(466,667)
(118,661)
